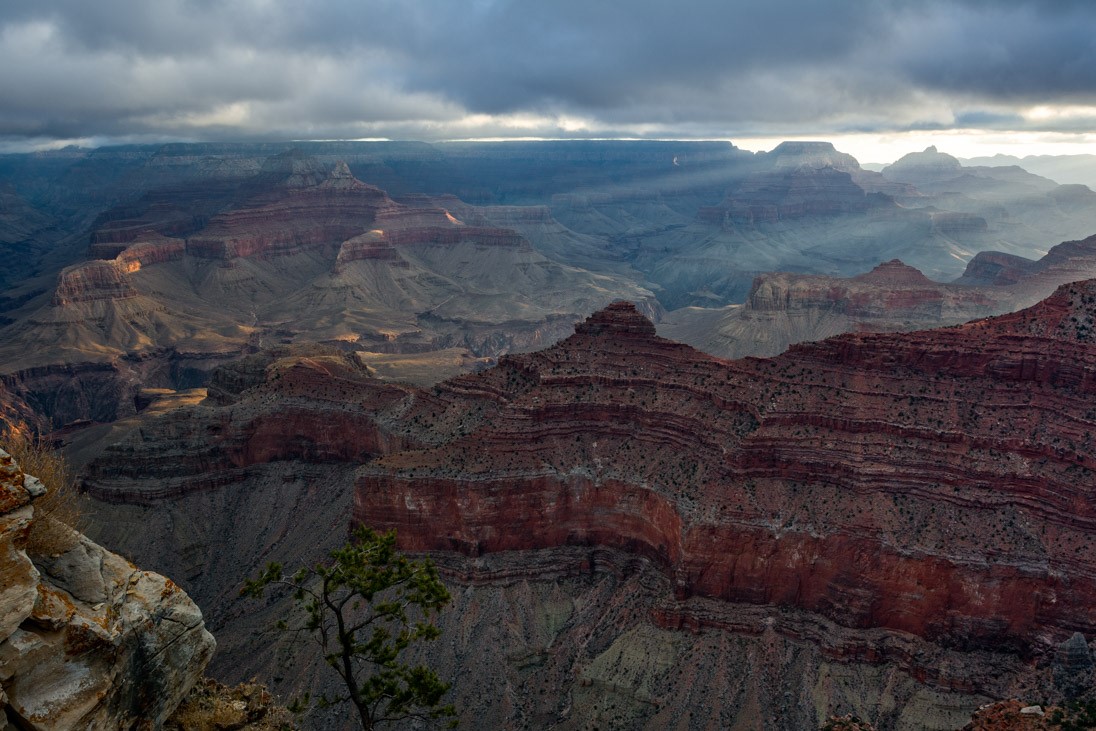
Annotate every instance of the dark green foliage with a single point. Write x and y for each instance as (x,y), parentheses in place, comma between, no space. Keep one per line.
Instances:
(1076,715)
(364,607)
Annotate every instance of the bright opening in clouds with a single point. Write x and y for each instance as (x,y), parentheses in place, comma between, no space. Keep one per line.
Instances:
(882,77)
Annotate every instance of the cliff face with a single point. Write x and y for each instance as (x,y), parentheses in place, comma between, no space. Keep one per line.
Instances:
(784,308)
(310,404)
(891,290)
(306,209)
(934,484)
(87,640)
(182,280)
(795,193)
(911,513)
(96,280)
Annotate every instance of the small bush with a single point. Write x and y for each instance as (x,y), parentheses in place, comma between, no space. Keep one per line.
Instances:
(57,513)
(215,707)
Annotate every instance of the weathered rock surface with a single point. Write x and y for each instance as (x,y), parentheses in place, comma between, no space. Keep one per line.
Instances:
(184,279)
(877,481)
(87,640)
(915,503)
(312,404)
(783,308)
(96,280)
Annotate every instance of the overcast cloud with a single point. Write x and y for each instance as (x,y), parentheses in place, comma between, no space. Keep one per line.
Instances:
(437,69)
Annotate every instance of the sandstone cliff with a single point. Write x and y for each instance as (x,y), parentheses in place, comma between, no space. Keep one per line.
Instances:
(903,518)
(882,447)
(182,280)
(784,308)
(87,640)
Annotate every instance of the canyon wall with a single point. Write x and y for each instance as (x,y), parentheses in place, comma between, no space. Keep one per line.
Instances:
(911,513)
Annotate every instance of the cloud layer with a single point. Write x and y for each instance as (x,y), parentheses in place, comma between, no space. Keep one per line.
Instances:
(437,69)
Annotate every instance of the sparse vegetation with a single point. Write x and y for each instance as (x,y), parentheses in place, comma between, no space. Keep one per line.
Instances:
(356,607)
(211,706)
(1075,715)
(848,722)
(58,512)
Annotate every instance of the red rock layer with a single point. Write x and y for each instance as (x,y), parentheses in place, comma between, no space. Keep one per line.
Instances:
(894,273)
(890,290)
(384,244)
(309,404)
(937,483)
(498,237)
(1068,261)
(306,218)
(372,246)
(339,208)
(91,281)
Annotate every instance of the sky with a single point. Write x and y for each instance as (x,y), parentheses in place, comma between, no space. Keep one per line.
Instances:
(879,78)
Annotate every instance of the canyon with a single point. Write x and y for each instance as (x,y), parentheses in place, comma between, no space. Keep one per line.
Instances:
(249,348)
(301,251)
(141,269)
(783,308)
(895,525)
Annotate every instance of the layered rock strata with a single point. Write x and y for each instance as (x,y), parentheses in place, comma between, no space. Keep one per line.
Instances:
(87,640)
(300,251)
(784,308)
(933,485)
(303,403)
(893,517)
(891,290)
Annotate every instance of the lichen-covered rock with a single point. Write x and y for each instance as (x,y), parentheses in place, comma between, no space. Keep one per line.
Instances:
(87,640)
(18,576)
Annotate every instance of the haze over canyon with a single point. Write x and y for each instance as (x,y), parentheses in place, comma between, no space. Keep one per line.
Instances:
(516,355)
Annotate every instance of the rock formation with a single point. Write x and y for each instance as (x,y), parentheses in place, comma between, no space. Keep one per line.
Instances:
(784,308)
(162,263)
(182,281)
(925,167)
(916,503)
(87,640)
(806,208)
(307,403)
(881,447)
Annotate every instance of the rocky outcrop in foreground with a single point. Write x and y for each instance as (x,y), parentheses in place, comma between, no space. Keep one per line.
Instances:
(87,640)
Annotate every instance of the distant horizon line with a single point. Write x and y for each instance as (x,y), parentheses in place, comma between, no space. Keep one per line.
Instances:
(894,144)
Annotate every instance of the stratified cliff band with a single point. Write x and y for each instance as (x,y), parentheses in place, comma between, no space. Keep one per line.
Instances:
(921,502)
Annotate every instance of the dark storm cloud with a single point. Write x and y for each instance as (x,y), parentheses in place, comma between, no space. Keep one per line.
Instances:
(1007,51)
(603,55)
(440,68)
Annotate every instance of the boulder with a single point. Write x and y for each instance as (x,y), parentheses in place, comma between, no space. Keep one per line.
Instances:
(87,639)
